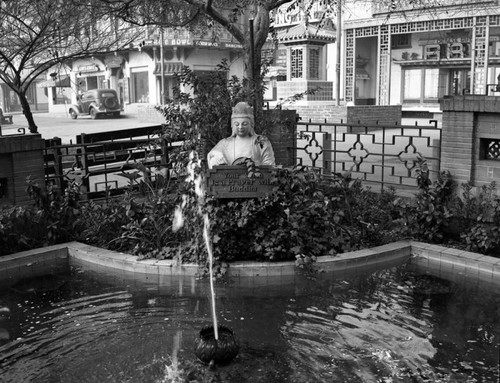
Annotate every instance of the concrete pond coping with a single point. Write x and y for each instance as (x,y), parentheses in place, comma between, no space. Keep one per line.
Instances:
(440,261)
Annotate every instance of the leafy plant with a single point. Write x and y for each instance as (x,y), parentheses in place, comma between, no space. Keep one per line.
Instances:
(480,218)
(58,212)
(429,213)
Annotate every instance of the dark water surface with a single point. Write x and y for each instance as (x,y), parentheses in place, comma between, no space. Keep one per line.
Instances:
(387,326)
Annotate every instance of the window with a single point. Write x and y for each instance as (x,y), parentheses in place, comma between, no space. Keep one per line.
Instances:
(431,83)
(401,41)
(421,85)
(412,84)
(296,62)
(314,63)
(140,87)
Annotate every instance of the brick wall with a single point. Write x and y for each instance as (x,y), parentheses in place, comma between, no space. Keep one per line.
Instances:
(364,114)
(488,127)
(468,122)
(457,144)
(280,127)
(374,114)
(21,156)
(321,112)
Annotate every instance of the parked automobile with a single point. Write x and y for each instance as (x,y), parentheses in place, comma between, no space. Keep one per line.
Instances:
(95,103)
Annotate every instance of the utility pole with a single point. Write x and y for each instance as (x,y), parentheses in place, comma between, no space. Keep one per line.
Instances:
(339,49)
(252,66)
(162,69)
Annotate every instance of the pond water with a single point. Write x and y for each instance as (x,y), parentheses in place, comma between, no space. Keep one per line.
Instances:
(384,326)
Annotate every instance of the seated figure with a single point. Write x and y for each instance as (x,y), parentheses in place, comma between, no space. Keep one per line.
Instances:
(243,142)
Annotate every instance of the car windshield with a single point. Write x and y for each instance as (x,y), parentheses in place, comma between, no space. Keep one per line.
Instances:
(107,94)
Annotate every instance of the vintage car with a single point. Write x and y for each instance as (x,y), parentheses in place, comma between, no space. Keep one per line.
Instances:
(95,103)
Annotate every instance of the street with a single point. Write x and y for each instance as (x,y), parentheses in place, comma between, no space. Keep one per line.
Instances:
(50,126)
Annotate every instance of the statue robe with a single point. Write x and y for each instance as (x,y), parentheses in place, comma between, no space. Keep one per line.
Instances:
(224,153)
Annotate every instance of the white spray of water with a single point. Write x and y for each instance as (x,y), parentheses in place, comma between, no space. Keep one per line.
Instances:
(197,179)
(178,221)
(172,373)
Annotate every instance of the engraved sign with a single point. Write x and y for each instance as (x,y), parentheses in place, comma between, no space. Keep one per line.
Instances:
(234,182)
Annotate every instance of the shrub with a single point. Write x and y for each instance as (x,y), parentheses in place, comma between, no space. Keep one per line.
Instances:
(429,213)
(480,218)
(305,216)
(21,228)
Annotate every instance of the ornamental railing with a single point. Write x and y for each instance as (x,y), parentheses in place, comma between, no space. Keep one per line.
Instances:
(380,156)
(103,164)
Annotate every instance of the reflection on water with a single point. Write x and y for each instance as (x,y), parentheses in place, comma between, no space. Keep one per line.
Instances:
(389,326)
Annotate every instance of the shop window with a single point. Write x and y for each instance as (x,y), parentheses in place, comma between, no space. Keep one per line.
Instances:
(421,85)
(296,57)
(140,87)
(431,83)
(314,59)
(412,84)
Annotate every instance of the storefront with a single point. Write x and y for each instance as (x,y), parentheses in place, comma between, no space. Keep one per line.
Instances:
(417,63)
(90,74)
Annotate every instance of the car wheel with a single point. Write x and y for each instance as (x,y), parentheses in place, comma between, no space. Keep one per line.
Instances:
(93,113)
(73,114)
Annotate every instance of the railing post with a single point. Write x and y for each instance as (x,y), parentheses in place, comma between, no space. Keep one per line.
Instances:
(86,179)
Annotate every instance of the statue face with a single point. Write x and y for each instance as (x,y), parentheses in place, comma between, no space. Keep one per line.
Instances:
(241,126)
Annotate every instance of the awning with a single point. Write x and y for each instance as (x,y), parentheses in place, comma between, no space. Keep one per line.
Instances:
(168,68)
(62,82)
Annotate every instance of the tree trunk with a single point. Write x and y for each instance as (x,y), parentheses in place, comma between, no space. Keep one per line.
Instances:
(27,112)
(254,75)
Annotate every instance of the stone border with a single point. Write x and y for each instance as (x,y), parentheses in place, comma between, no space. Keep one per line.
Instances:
(433,259)
(455,264)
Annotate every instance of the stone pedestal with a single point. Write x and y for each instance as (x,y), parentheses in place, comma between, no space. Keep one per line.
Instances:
(20,156)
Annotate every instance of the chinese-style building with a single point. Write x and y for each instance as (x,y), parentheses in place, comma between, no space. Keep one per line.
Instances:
(415,56)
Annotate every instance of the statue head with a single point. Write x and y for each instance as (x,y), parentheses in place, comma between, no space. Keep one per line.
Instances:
(242,112)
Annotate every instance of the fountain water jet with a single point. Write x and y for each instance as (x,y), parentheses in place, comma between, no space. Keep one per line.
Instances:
(216,344)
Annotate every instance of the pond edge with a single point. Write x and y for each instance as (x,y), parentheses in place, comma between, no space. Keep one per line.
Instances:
(437,260)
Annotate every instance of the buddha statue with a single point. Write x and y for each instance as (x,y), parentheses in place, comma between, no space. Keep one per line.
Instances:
(243,143)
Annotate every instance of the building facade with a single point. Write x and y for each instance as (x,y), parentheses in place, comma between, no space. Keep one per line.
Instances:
(415,56)
(299,53)
(144,73)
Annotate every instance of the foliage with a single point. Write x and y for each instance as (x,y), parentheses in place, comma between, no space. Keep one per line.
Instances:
(429,213)
(99,223)
(50,220)
(58,212)
(201,118)
(439,214)
(21,229)
(306,216)
(480,215)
